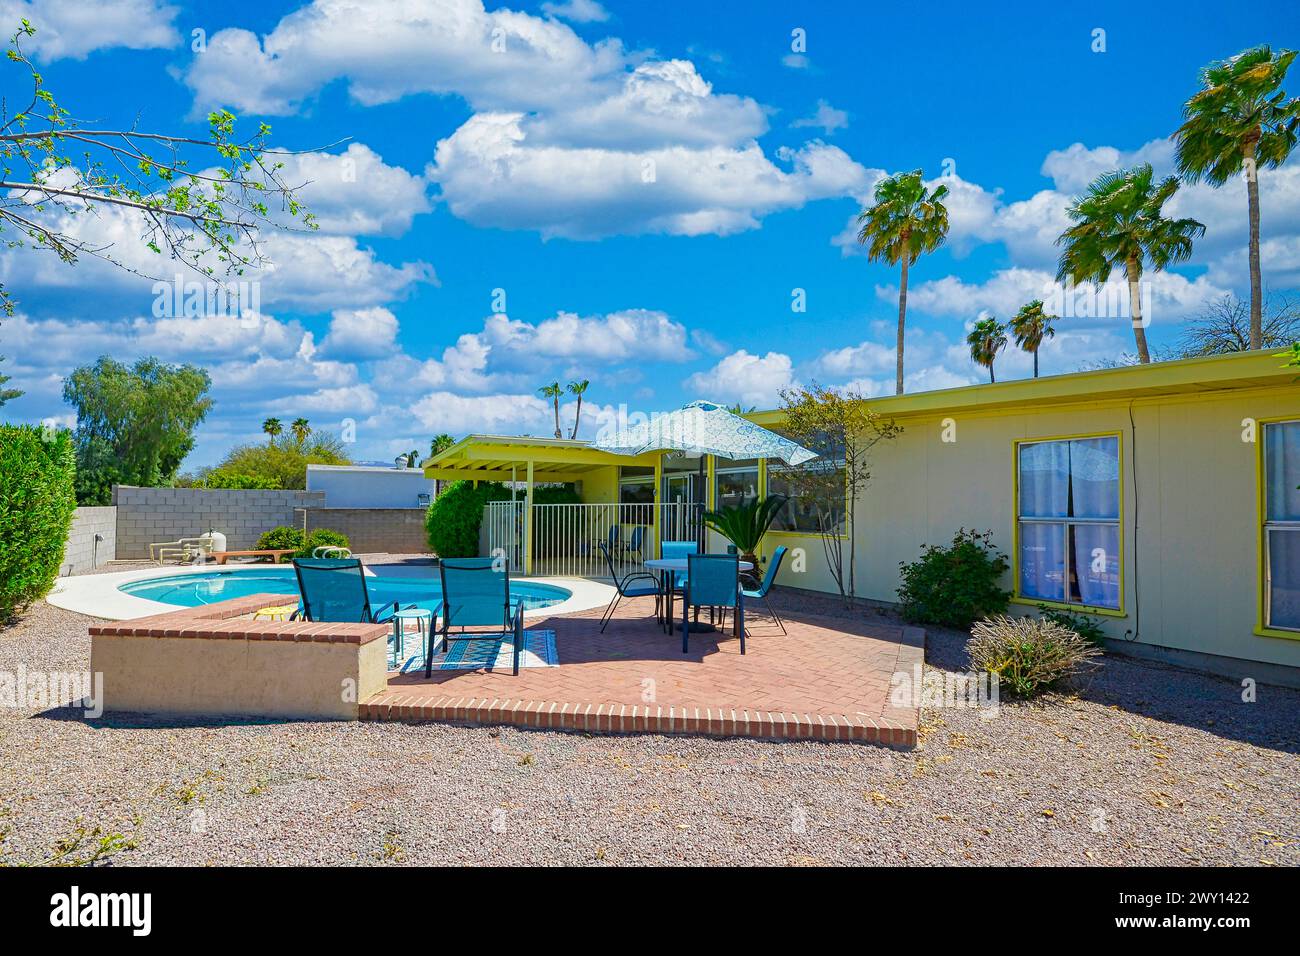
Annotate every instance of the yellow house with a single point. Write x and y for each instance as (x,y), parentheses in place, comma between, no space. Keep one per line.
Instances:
(1159,499)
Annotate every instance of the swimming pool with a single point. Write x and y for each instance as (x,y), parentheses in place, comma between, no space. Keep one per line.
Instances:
(208,587)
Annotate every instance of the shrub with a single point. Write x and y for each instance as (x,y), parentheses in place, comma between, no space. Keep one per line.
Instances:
(37,499)
(1028,654)
(239,481)
(277,539)
(453,519)
(1086,627)
(956,585)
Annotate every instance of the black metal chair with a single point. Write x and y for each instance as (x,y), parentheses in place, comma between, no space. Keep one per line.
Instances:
(624,588)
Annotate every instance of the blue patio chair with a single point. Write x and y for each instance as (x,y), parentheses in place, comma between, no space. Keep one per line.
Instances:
(476,593)
(633,546)
(761,592)
(629,586)
(614,537)
(713,580)
(679,549)
(334,590)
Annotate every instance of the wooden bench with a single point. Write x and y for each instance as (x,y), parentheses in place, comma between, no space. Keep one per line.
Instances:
(275,554)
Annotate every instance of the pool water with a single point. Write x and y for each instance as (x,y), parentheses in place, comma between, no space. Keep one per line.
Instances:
(208,587)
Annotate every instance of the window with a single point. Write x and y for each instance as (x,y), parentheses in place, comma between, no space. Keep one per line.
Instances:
(1282,525)
(820,506)
(1068,521)
(736,484)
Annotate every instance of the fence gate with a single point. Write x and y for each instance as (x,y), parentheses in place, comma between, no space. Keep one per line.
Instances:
(504,524)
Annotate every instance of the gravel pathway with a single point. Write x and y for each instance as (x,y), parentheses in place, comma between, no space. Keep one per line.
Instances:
(1147,764)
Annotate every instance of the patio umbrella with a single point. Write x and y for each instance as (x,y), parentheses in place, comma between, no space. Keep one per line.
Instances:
(705,428)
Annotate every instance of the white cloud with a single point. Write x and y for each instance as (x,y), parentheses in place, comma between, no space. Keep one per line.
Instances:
(825,117)
(73,29)
(484,414)
(1072,169)
(355,193)
(491,176)
(361,334)
(579,11)
(796,61)
(748,379)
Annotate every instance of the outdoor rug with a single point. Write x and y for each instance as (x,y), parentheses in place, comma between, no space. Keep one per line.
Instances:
(491,651)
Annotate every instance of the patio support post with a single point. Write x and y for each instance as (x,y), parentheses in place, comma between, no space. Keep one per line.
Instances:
(659,480)
(528,522)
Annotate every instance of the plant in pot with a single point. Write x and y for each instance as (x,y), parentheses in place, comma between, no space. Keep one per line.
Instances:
(744,525)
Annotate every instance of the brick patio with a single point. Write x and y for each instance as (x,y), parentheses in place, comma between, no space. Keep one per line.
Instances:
(828,679)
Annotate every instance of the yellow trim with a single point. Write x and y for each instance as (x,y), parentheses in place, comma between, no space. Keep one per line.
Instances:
(1016,596)
(1262,629)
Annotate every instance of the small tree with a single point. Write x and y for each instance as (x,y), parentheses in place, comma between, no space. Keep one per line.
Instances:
(843,428)
(1224,327)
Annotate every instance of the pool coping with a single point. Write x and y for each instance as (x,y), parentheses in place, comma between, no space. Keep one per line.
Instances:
(97,595)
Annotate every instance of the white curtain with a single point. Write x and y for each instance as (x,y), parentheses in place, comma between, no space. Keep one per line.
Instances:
(1045,480)
(1042,561)
(1096,564)
(1282,470)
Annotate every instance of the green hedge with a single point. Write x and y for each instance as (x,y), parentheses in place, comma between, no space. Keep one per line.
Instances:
(37,499)
(954,586)
(452,521)
(277,539)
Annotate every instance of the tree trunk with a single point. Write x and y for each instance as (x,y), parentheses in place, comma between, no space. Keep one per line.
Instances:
(577,417)
(558,433)
(992,380)
(1256,282)
(1134,272)
(902,321)
(1035,363)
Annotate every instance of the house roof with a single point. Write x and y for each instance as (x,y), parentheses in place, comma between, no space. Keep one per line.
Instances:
(1211,374)
(506,458)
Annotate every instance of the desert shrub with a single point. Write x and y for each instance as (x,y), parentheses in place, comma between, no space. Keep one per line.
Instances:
(277,539)
(239,481)
(1028,654)
(319,538)
(1083,625)
(453,519)
(37,499)
(954,586)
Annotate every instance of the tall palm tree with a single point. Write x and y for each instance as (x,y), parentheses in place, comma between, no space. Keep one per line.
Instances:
(1119,222)
(272,427)
(553,392)
(300,430)
(986,340)
(905,221)
(440,443)
(577,388)
(1241,119)
(1030,326)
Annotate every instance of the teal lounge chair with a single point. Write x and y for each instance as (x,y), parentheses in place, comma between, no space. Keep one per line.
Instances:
(476,593)
(334,590)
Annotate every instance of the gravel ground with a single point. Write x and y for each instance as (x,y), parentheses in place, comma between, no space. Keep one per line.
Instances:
(1144,765)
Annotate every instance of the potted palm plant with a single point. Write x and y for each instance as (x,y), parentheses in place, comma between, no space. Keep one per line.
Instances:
(744,525)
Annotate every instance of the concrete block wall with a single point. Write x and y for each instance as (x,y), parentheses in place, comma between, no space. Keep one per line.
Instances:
(82,552)
(394,530)
(148,515)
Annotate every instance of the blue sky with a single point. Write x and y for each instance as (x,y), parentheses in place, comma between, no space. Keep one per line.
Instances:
(463,170)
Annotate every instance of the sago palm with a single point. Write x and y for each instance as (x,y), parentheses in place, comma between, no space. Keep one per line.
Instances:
(744,525)
(577,388)
(1030,327)
(1119,221)
(905,221)
(986,340)
(1241,120)
(553,392)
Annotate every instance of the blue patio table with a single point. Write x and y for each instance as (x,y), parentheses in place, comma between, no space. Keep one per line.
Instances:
(423,618)
(668,569)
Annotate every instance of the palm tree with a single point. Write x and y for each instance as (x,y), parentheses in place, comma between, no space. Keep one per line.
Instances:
(577,388)
(1030,326)
(440,443)
(553,392)
(300,430)
(1118,222)
(272,427)
(905,221)
(986,340)
(1241,119)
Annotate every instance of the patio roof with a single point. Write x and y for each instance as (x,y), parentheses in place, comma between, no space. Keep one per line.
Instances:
(507,457)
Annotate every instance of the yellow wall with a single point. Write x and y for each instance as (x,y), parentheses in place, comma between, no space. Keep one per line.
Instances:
(1197,548)
(600,486)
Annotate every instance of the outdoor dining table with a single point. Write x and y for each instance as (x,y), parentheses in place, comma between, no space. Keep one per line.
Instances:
(668,569)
